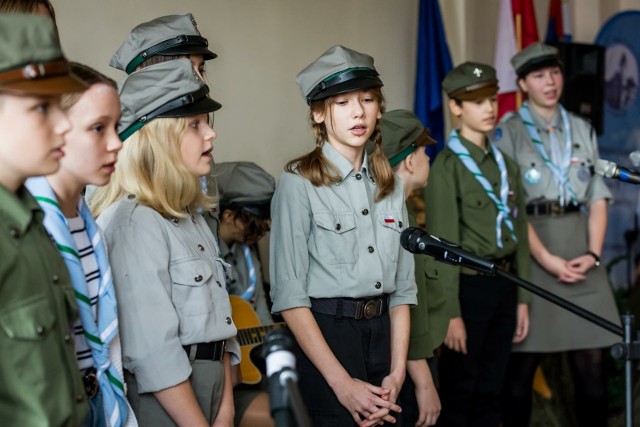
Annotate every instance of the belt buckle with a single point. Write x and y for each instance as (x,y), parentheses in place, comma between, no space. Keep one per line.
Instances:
(222,346)
(90,380)
(370,309)
(556,208)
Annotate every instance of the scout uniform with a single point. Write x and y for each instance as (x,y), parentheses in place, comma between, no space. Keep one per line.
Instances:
(175,315)
(168,35)
(40,383)
(402,133)
(556,215)
(486,217)
(336,251)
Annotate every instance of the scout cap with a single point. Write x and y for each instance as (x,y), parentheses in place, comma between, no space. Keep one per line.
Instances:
(534,57)
(167,35)
(31,60)
(338,70)
(245,185)
(470,80)
(402,132)
(168,89)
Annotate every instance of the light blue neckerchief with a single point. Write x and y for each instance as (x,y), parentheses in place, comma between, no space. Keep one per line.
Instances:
(560,172)
(247,295)
(456,146)
(101,332)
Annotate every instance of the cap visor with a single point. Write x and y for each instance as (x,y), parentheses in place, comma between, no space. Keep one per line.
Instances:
(189,50)
(425,139)
(483,92)
(348,86)
(539,64)
(56,85)
(203,105)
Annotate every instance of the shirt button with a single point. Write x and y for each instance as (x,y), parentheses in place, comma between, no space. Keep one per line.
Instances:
(198,278)
(14,232)
(478,202)
(365,211)
(338,227)
(228,320)
(370,249)
(358,176)
(201,248)
(219,284)
(40,330)
(174,220)
(79,398)
(131,196)
(67,338)
(55,278)
(378,285)
(400,224)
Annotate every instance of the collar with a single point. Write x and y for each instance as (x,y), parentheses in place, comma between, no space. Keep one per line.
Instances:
(542,125)
(19,208)
(223,247)
(477,154)
(344,166)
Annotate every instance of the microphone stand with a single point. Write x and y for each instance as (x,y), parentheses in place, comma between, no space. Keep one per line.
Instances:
(628,350)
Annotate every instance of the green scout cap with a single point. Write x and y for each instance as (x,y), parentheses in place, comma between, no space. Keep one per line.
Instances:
(245,185)
(470,80)
(168,89)
(338,70)
(31,59)
(534,57)
(167,35)
(402,132)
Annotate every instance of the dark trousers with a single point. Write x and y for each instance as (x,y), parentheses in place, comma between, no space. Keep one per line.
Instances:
(363,347)
(470,385)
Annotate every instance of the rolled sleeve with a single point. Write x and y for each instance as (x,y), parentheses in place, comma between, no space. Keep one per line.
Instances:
(233,350)
(406,289)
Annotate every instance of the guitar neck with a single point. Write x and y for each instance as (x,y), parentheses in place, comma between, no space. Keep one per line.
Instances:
(255,335)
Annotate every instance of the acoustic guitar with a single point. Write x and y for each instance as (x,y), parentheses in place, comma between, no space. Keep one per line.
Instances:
(250,336)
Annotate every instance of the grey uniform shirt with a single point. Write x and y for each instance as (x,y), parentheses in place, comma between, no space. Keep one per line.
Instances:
(334,241)
(171,291)
(516,143)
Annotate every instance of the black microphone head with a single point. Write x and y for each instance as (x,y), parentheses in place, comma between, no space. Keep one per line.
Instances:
(409,238)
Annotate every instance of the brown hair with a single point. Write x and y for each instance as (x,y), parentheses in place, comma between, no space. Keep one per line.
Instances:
(158,59)
(255,227)
(315,167)
(90,77)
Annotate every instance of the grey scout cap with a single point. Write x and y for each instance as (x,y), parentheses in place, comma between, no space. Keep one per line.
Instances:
(402,132)
(31,59)
(167,35)
(471,80)
(168,89)
(336,71)
(245,185)
(534,57)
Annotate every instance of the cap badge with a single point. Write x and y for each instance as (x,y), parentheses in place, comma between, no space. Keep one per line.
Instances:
(477,72)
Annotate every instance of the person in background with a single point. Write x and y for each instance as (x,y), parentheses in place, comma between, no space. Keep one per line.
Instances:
(177,332)
(245,191)
(404,142)
(475,199)
(567,210)
(40,384)
(38,7)
(339,277)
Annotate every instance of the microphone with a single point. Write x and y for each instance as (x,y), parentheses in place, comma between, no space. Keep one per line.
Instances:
(417,241)
(611,170)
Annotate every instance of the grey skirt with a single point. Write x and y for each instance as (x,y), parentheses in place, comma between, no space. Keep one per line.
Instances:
(552,328)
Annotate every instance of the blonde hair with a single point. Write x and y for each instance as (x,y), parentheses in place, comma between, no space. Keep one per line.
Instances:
(315,167)
(150,167)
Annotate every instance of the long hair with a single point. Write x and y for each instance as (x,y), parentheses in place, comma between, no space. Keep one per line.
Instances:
(90,77)
(150,167)
(315,167)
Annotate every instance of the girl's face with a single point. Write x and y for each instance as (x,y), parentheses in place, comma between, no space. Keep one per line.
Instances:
(31,137)
(543,86)
(421,166)
(350,121)
(478,115)
(92,144)
(197,144)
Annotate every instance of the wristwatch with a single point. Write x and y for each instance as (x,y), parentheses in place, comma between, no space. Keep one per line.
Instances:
(596,257)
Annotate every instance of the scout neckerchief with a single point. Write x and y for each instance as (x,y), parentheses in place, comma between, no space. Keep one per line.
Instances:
(560,171)
(456,146)
(248,294)
(100,332)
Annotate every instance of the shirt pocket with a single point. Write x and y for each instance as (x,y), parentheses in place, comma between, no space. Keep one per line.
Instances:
(392,226)
(475,205)
(190,286)
(32,321)
(336,240)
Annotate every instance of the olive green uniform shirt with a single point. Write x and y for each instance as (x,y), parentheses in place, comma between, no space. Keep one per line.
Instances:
(459,210)
(335,241)
(40,383)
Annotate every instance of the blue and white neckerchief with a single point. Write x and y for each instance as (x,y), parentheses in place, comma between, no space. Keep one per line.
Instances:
(247,295)
(456,146)
(560,171)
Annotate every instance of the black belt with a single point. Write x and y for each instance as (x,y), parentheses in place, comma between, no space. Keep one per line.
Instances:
(207,351)
(551,207)
(358,308)
(90,381)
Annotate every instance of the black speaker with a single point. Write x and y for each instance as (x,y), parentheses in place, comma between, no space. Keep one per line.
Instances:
(584,81)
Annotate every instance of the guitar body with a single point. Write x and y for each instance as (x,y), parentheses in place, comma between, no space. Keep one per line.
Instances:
(250,336)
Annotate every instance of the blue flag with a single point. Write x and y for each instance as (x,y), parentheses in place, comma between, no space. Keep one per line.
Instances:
(434,62)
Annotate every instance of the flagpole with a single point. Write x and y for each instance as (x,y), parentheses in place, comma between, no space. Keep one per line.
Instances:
(518,25)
